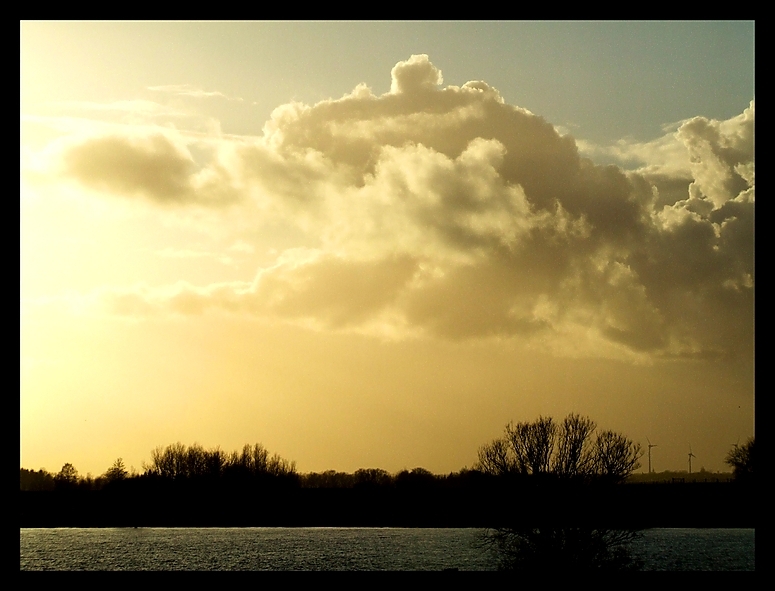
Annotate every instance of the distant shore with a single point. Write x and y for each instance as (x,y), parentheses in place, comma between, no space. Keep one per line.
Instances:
(625,506)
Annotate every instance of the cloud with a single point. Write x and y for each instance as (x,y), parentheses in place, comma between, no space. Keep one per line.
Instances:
(307,287)
(193,91)
(445,212)
(148,108)
(417,74)
(721,154)
(187,253)
(154,166)
(158,166)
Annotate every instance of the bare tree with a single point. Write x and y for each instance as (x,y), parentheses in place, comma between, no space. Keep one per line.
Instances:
(532,445)
(372,478)
(494,458)
(574,455)
(525,448)
(253,460)
(616,456)
(195,459)
(168,463)
(570,450)
(277,466)
(216,462)
(253,463)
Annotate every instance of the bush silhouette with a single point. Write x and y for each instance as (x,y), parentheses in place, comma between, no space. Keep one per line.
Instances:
(571,452)
(741,458)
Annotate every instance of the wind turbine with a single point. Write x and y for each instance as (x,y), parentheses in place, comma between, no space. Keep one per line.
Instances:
(691,455)
(650,446)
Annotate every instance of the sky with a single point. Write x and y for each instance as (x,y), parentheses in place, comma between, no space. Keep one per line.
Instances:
(374,244)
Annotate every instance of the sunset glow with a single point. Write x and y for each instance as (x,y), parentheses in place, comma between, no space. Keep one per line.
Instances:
(375,244)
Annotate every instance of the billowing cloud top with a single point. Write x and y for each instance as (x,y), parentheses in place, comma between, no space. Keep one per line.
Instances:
(443,212)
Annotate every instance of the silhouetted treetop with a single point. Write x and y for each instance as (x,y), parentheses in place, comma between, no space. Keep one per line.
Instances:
(35,480)
(372,478)
(116,472)
(741,459)
(572,450)
(176,462)
(67,478)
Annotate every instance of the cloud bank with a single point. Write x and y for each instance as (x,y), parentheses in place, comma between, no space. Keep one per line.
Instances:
(443,212)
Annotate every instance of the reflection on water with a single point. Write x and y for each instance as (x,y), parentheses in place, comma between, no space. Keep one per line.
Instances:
(697,549)
(340,549)
(570,549)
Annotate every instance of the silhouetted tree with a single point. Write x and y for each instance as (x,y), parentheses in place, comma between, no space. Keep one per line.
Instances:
(216,461)
(418,478)
(741,459)
(566,451)
(116,472)
(67,478)
(196,462)
(328,479)
(532,444)
(468,479)
(574,455)
(525,448)
(372,478)
(167,463)
(197,466)
(571,452)
(615,457)
(280,467)
(36,480)
(495,458)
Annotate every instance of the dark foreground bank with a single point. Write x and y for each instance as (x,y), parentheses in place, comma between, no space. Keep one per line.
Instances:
(690,505)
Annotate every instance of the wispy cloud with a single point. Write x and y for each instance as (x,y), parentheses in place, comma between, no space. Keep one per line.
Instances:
(193,91)
(133,106)
(187,253)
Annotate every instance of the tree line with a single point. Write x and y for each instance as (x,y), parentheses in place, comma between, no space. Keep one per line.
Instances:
(544,450)
(176,464)
(194,466)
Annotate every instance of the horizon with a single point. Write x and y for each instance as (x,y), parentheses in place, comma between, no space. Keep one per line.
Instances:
(373,245)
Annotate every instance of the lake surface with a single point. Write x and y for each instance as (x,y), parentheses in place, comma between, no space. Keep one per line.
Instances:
(317,549)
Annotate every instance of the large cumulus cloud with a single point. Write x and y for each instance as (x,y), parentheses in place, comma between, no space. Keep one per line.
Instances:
(446,213)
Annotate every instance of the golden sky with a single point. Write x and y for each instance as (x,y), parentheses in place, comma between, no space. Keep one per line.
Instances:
(225,242)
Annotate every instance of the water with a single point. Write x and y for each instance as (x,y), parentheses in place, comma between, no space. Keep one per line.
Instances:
(697,549)
(317,549)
